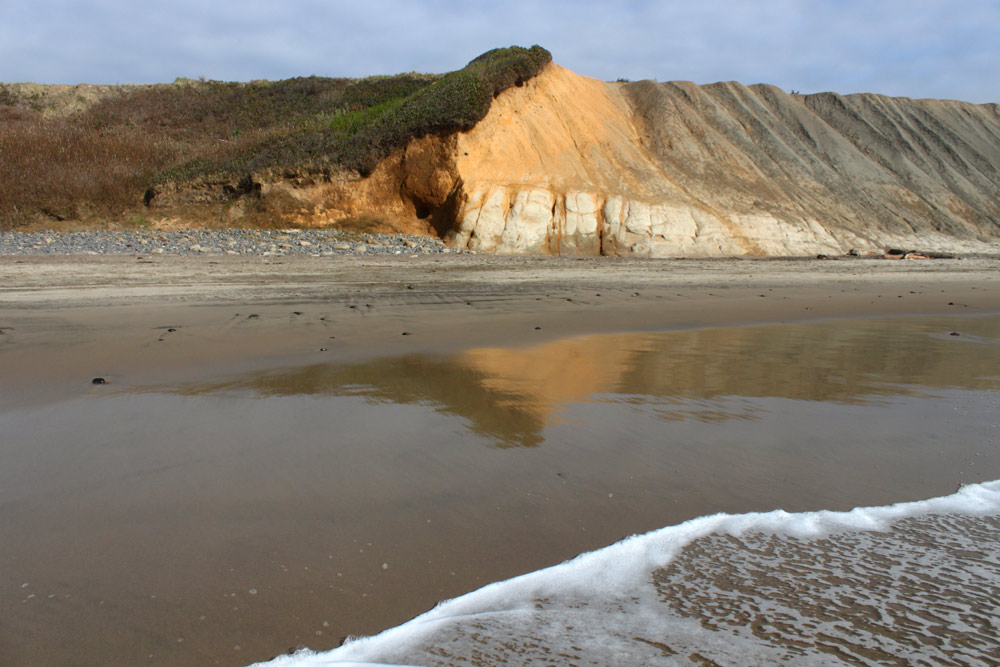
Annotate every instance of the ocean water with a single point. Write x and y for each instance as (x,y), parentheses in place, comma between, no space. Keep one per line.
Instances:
(913,583)
(225,517)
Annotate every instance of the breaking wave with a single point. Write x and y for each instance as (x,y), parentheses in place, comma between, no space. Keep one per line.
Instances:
(911,583)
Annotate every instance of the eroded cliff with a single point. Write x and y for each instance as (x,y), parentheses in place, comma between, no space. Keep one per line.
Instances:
(514,154)
(570,165)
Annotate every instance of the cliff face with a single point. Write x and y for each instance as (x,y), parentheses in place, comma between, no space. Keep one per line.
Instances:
(572,165)
(513,154)
(564,164)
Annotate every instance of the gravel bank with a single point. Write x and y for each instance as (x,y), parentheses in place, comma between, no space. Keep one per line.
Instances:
(250,242)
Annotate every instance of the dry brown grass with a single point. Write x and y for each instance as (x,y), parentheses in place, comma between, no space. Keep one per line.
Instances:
(97,161)
(95,165)
(62,170)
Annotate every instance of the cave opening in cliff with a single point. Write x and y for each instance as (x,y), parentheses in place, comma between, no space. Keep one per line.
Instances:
(441,219)
(422,209)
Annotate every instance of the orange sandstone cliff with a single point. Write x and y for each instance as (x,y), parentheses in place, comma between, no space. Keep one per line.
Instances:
(570,165)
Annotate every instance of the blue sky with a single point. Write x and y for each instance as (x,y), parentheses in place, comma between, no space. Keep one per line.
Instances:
(915,48)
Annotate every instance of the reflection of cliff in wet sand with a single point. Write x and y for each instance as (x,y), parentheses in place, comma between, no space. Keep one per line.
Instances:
(511,394)
(448,385)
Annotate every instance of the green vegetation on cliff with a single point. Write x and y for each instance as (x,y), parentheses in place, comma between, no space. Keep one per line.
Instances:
(378,115)
(75,158)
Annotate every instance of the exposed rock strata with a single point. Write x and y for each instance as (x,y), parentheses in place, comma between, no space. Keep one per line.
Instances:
(569,165)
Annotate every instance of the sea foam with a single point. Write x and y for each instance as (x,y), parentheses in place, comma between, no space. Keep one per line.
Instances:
(916,581)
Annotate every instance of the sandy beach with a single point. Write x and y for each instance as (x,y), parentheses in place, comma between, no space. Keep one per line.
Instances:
(287,451)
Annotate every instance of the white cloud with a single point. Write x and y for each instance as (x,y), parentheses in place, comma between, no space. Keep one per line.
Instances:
(918,48)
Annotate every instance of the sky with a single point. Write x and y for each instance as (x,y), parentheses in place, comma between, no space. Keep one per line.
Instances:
(912,48)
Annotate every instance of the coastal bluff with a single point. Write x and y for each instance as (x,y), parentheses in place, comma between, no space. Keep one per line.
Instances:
(574,166)
(512,154)
(569,165)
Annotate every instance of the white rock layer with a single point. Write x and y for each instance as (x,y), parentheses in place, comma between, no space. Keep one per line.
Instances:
(506,220)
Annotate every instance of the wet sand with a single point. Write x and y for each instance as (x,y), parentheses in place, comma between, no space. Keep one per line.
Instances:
(235,486)
(68,317)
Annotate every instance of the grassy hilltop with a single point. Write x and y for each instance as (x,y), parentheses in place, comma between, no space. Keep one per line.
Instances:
(97,159)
